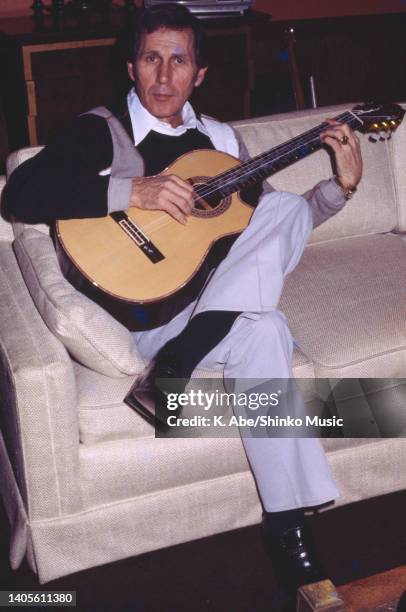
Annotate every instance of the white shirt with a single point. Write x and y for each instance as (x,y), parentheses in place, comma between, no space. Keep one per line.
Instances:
(143,122)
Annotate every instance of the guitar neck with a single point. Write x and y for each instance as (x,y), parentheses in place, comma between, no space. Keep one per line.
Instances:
(260,167)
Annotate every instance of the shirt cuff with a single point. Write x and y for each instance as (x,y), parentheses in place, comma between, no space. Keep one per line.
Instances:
(332,193)
(119,194)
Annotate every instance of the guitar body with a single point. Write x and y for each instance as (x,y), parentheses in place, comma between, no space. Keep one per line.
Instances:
(104,262)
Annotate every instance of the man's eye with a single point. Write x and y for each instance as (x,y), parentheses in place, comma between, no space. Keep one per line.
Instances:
(179,60)
(150,58)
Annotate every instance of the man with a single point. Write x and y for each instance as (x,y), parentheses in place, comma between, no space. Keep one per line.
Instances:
(239,331)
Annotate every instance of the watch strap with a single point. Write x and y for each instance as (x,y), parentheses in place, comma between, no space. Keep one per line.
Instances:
(349,191)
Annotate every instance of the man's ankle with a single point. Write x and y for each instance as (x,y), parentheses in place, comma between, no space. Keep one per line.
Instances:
(284,520)
(290,546)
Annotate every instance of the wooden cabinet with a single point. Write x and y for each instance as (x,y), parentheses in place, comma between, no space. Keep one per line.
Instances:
(64,79)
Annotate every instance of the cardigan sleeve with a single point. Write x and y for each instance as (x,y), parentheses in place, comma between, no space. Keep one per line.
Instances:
(62,181)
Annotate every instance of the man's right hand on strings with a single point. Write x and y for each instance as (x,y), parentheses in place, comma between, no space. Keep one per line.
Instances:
(164,192)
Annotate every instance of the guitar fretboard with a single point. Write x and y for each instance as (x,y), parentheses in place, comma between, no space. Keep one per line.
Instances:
(264,165)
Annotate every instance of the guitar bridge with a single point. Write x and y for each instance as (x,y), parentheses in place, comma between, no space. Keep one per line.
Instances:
(137,236)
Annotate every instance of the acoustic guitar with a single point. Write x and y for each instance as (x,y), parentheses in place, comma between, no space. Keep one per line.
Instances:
(144,267)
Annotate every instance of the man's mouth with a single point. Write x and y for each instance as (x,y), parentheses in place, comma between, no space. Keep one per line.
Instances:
(162,97)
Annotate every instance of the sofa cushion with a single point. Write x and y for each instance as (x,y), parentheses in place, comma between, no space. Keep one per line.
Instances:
(103,416)
(346,305)
(90,334)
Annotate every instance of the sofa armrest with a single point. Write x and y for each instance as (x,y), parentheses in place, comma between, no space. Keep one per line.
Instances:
(38,401)
(6,232)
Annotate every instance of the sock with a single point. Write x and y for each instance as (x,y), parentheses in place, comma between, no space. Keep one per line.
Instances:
(202,333)
(278,522)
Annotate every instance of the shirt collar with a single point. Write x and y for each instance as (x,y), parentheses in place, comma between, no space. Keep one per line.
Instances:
(143,122)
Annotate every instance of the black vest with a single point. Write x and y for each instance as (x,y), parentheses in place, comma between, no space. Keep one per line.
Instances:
(160,150)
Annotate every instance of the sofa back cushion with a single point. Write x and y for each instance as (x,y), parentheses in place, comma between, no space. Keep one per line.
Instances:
(91,335)
(372,210)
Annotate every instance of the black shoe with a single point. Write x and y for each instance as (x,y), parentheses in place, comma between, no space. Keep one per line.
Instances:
(149,395)
(294,560)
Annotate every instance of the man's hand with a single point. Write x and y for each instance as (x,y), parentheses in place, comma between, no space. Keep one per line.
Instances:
(345,145)
(163,192)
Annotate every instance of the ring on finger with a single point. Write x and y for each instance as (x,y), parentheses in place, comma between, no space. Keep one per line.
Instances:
(344,140)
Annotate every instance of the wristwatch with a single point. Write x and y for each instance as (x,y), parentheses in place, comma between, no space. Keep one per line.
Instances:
(348,192)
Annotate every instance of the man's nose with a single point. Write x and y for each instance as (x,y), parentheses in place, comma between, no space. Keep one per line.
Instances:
(163,72)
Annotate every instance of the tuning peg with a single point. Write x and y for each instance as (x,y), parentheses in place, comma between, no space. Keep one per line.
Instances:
(372,138)
(387,135)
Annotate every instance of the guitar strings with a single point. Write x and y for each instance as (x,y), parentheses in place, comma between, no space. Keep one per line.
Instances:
(255,164)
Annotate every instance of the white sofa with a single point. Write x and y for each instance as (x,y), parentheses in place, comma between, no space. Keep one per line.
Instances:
(83,479)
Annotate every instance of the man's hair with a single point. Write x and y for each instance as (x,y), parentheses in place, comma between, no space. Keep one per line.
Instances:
(172,17)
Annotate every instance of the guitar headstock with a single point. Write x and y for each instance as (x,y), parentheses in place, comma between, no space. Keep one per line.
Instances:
(378,119)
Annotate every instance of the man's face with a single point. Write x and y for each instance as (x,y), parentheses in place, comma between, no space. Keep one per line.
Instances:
(165,73)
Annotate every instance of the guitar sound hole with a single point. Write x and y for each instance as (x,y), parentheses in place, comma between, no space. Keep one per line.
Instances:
(212,201)
(212,204)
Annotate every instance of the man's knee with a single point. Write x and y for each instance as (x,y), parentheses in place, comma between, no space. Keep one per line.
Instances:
(260,347)
(270,326)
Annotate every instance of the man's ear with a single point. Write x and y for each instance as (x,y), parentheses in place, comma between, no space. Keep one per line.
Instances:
(201,73)
(130,70)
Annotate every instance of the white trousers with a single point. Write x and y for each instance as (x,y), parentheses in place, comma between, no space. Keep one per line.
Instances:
(289,472)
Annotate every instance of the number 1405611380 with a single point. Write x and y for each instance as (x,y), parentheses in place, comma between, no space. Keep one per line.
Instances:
(35,598)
